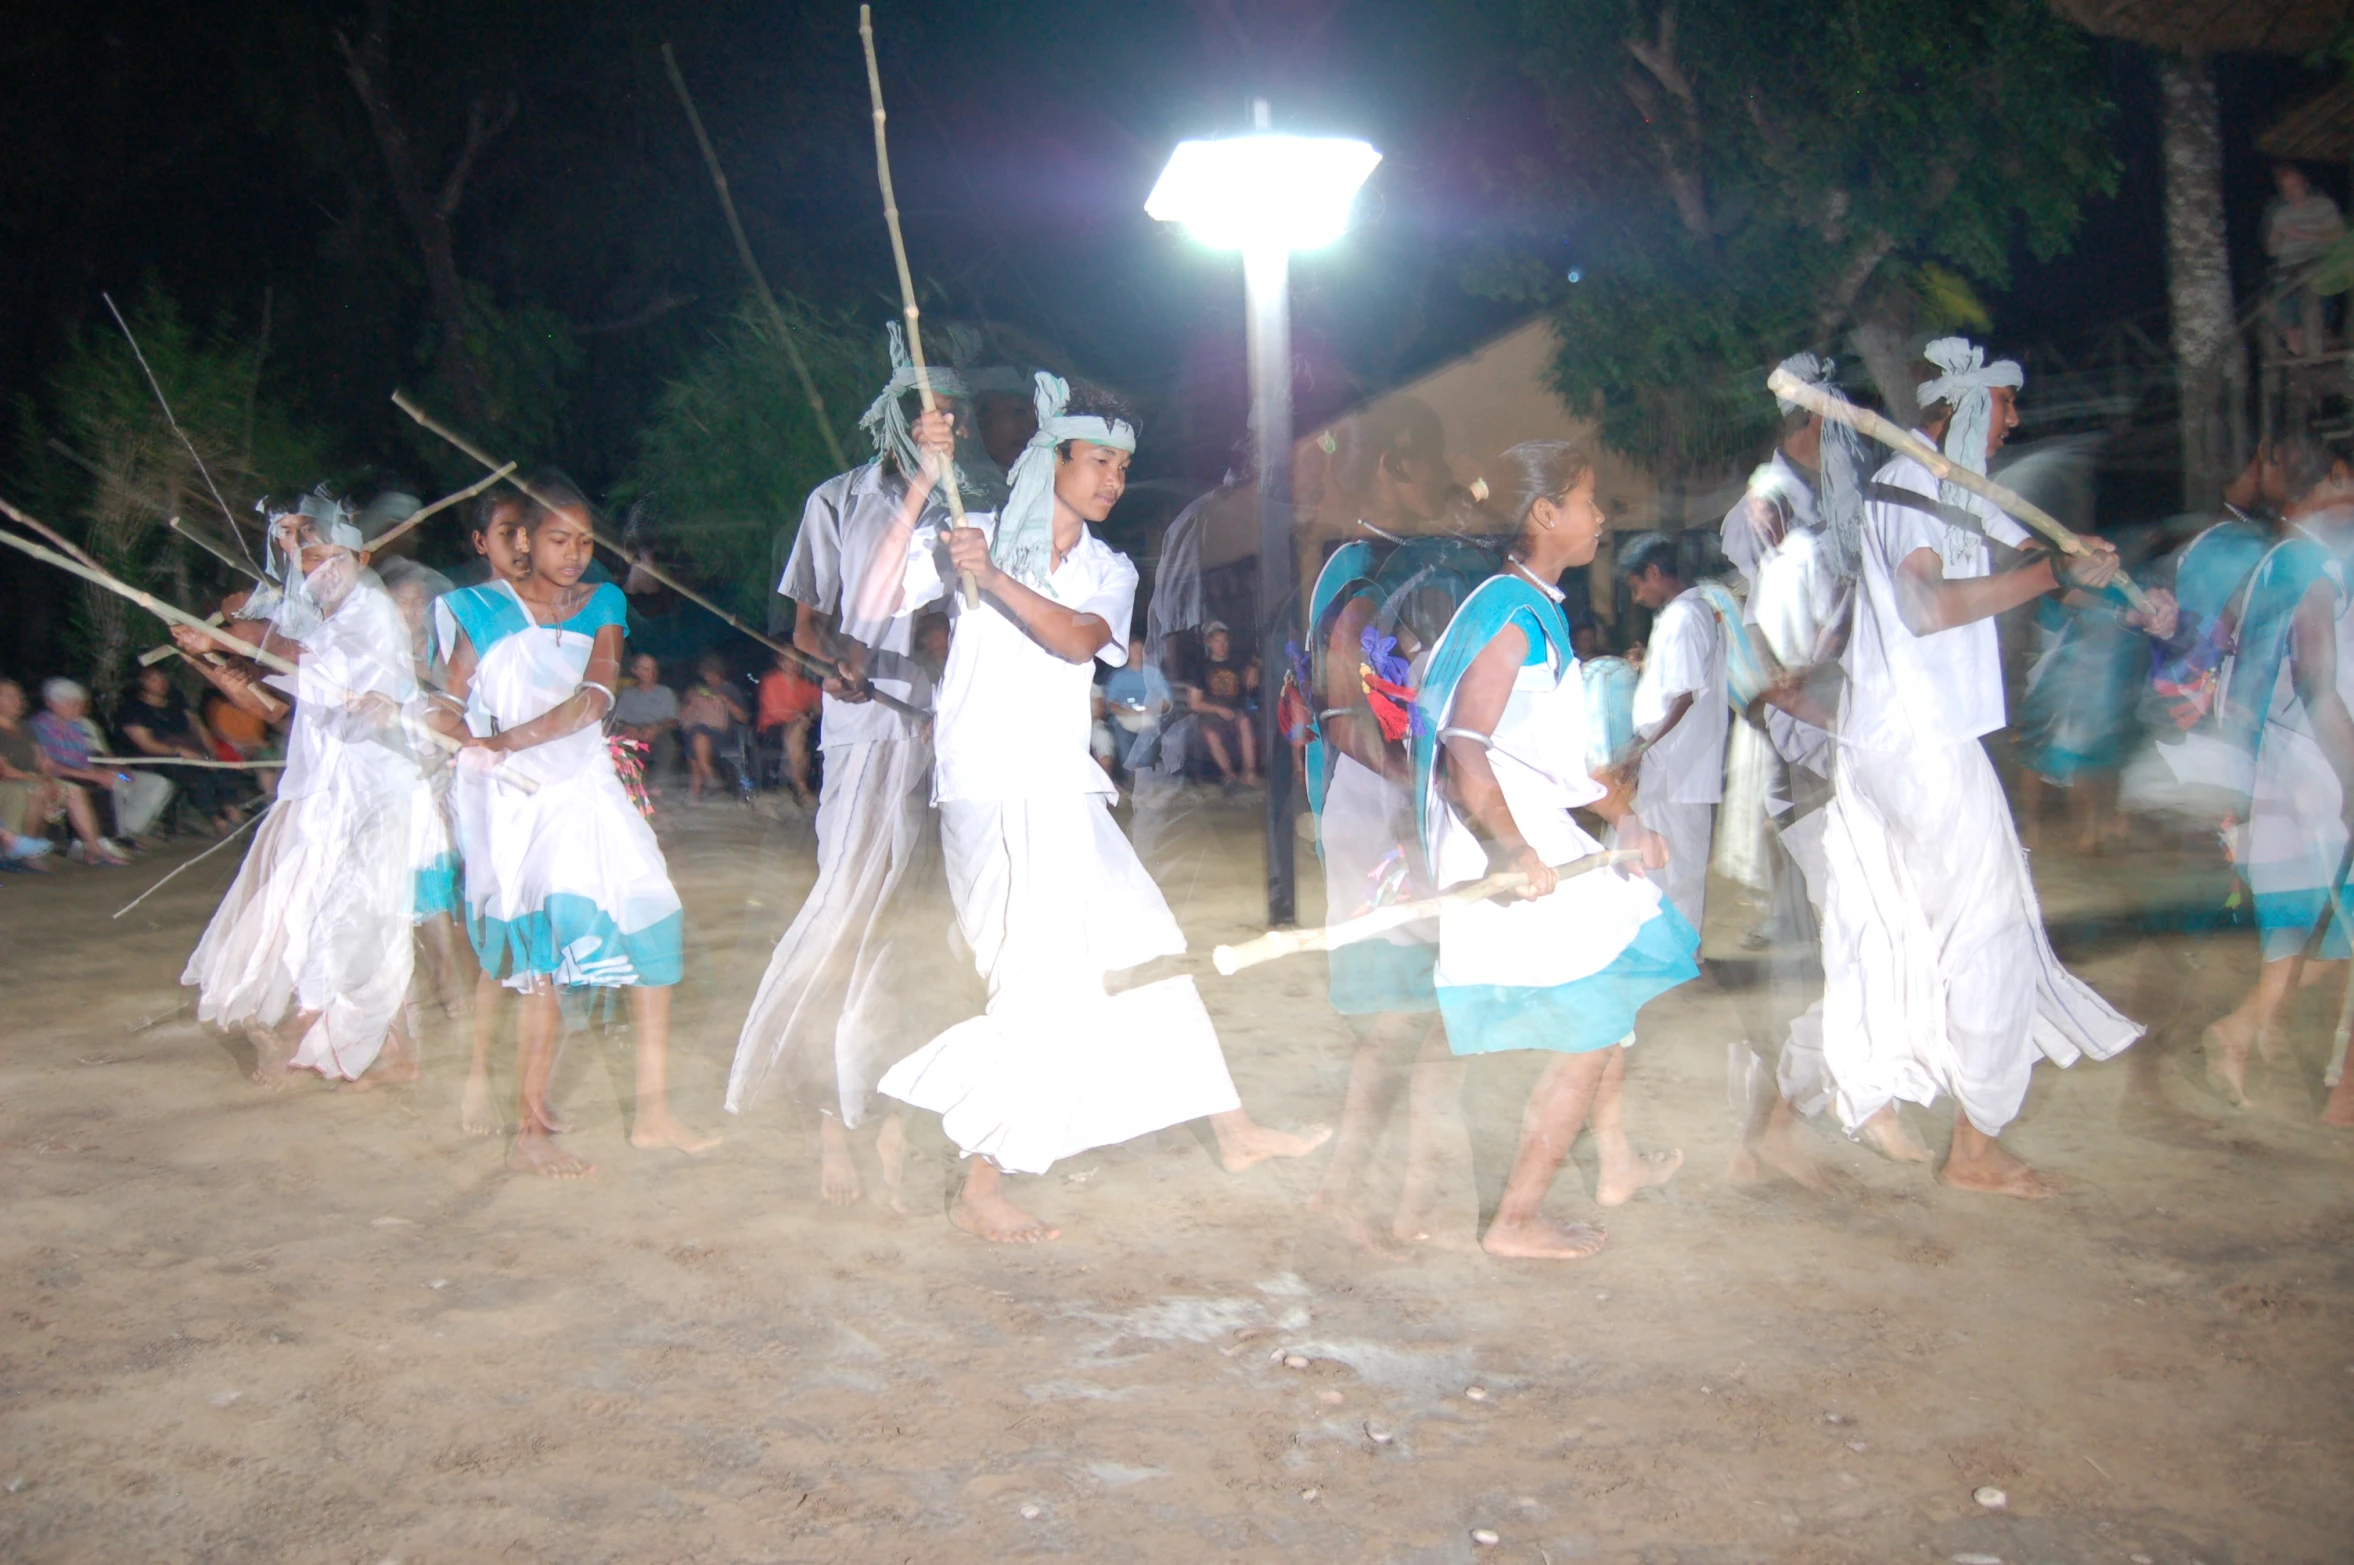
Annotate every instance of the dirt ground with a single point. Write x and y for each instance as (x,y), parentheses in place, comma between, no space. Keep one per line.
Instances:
(330,1326)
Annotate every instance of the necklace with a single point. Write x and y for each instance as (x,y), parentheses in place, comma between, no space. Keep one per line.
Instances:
(1533,579)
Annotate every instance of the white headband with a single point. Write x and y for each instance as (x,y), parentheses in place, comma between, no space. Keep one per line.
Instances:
(1025,528)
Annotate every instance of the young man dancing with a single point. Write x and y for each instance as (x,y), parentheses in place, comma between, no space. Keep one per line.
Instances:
(1049,895)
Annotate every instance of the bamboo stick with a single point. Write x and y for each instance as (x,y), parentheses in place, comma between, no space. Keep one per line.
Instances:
(1230,960)
(181,760)
(907,304)
(815,665)
(735,227)
(244,568)
(1814,399)
(162,402)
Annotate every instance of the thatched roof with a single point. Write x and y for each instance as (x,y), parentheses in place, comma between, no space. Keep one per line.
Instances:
(2319,130)
(2211,26)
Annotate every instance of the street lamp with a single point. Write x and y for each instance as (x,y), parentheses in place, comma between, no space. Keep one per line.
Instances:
(1268,195)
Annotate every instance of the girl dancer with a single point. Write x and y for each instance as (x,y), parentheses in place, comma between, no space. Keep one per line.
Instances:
(581,894)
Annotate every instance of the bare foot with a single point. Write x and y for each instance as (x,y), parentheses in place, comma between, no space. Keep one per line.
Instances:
(2339,1112)
(1355,1227)
(1542,1239)
(2226,1048)
(891,1152)
(396,1067)
(271,1057)
(537,1154)
(1885,1133)
(476,1117)
(653,1132)
(2272,1045)
(1625,1172)
(998,1220)
(1243,1142)
(838,1183)
(1776,1149)
(1993,1170)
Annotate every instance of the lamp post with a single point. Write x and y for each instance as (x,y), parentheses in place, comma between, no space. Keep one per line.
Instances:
(1267,195)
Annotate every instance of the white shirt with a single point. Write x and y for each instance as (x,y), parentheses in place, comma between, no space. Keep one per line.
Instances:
(1013,719)
(1686,654)
(1746,524)
(1904,690)
(839,526)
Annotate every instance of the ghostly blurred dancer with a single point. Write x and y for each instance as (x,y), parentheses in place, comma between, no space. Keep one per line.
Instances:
(2288,701)
(1049,896)
(433,850)
(1680,716)
(580,893)
(501,535)
(1377,606)
(1500,764)
(1938,977)
(832,1011)
(311,951)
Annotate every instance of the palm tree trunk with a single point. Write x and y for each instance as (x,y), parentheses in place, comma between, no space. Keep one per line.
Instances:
(2211,365)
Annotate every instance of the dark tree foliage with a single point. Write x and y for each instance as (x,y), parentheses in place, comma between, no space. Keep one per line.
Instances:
(1734,180)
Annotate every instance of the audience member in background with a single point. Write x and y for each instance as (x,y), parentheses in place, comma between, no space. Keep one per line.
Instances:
(706,717)
(68,742)
(1138,699)
(239,735)
(2299,229)
(647,711)
(154,720)
(788,704)
(29,797)
(1215,697)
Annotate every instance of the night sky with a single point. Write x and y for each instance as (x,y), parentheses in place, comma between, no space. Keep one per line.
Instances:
(219,152)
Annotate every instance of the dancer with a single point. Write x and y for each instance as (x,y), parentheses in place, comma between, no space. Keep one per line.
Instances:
(310,953)
(1500,764)
(1379,604)
(839,1003)
(1049,895)
(433,850)
(1680,718)
(1938,977)
(501,536)
(2288,702)
(581,895)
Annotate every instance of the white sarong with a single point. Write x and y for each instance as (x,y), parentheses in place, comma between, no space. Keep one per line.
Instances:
(1051,898)
(1937,974)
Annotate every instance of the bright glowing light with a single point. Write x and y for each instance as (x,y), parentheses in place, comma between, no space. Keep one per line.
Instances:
(1245,192)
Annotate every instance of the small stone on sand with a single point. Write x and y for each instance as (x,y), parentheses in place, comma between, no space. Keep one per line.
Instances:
(1476,1393)
(1486,1537)
(1977,1559)
(1031,1513)
(1311,1495)
(1380,1434)
(225,1398)
(1857,1445)
(1330,1398)
(1295,1361)
(438,1283)
(1989,1496)
(1834,1418)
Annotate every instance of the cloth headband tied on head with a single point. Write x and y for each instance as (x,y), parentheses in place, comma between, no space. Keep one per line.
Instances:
(1839,467)
(885,420)
(1024,546)
(1808,368)
(1968,384)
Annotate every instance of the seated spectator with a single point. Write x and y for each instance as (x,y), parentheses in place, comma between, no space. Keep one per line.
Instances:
(63,790)
(239,735)
(788,710)
(1137,700)
(647,710)
(1216,696)
(154,720)
(706,718)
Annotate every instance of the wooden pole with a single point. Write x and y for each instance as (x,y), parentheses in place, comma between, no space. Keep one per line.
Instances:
(1230,960)
(735,227)
(1814,399)
(181,760)
(815,665)
(907,304)
(162,402)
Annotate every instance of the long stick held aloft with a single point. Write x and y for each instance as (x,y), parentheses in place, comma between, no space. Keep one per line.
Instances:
(907,304)
(1814,399)
(735,226)
(815,665)
(160,401)
(1230,960)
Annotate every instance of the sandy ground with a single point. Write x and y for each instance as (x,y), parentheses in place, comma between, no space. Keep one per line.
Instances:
(320,1326)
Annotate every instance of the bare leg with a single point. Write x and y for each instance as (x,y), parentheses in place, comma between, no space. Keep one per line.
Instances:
(1557,1108)
(891,1152)
(84,817)
(837,1168)
(1433,1104)
(649,1010)
(1243,1142)
(2228,1041)
(1249,743)
(273,1047)
(476,1117)
(1775,1146)
(1377,1075)
(1624,1170)
(439,935)
(2338,1113)
(1978,1162)
(797,759)
(535,1150)
(982,1210)
(1215,743)
(1886,1134)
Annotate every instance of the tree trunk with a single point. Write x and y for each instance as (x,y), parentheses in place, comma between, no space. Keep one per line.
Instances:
(1882,348)
(2209,358)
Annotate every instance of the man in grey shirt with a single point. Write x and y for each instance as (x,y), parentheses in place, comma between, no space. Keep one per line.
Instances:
(647,711)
